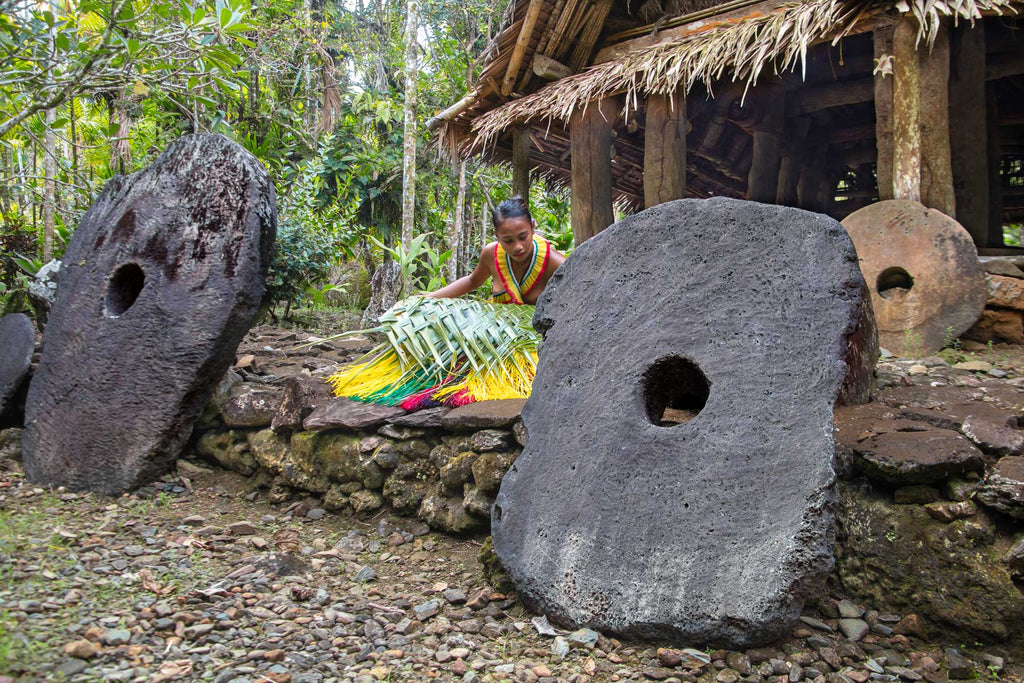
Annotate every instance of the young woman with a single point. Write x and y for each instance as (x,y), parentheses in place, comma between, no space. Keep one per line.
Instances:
(520,262)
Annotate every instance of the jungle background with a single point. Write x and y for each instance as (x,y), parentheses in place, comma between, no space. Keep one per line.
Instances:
(331,95)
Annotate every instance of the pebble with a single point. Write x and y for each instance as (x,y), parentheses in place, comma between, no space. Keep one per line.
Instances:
(854,629)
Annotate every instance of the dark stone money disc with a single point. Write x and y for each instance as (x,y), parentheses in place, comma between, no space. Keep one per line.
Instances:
(17,342)
(160,282)
(677,482)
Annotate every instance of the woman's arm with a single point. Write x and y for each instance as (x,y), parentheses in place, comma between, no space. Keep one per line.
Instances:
(467,283)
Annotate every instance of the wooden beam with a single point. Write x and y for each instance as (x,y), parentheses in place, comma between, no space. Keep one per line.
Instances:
(590,132)
(665,148)
(522,42)
(521,162)
(883,114)
(655,35)
(763,180)
(967,135)
(1004,64)
(821,97)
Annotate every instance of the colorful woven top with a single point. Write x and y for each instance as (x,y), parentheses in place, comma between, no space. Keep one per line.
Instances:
(516,290)
(445,352)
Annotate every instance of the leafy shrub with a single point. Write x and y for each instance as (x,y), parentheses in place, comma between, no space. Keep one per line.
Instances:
(302,259)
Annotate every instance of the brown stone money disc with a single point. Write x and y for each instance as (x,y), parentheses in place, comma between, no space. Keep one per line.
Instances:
(922,269)
(160,282)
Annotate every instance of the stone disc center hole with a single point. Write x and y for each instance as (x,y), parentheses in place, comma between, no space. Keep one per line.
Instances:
(123,289)
(674,390)
(893,282)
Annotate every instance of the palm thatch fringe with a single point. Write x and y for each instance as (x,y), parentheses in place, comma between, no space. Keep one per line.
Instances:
(743,50)
(445,351)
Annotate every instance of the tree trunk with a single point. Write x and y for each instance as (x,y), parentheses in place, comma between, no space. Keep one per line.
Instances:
(385,286)
(409,138)
(883,115)
(521,162)
(455,238)
(49,183)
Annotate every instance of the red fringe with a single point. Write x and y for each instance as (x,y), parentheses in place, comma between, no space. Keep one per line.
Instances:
(459,398)
(420,400)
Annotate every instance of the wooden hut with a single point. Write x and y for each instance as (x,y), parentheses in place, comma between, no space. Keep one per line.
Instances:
(826,105)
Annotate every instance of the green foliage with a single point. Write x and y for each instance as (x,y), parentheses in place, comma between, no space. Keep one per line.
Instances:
(302,258)
(1012,234)
(551,209)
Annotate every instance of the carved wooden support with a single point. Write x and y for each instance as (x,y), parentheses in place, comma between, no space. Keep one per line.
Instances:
(590,132)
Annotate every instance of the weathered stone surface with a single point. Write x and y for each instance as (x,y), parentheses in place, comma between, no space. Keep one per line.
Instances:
(333,455)
(428,417)
(898,559)
(252,405)
(917,457)
(270,450)
(447,514)
(456,472)
(10,446)
(406,487)
(923,272)
(697,531)
(1005,292)
(1003,487)
(491,440)
(42,291)
(348,414)
(302,394)
(17,342)
(1002,267)
(997,326)
(229,449)
(489,469)
(159,284)
(484,414)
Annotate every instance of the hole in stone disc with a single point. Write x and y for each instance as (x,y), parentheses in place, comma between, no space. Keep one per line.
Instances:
(675,391)
(893,281)
(123,289)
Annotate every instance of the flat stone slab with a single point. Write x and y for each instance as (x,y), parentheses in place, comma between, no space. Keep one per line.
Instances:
(484,414)
(343,413)
(923,272)
(17,342)
(636,507)
(252,405)
(428,417)
(160,282)
(1003,488)
(1005,292)
(917,457)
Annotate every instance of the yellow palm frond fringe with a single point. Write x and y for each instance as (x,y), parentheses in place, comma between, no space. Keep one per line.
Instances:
(445,352)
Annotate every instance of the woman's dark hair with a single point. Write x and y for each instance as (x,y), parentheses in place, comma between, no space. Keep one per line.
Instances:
(514,207)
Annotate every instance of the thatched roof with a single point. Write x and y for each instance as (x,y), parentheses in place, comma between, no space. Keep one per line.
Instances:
(739,43)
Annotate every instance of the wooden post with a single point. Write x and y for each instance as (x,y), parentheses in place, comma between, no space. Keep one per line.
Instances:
(521,162)
(763,179)
(665,149)
(922,167)
(815,173)
(792,162)
(590,134)
(967,135)
(883,115)
(995,185)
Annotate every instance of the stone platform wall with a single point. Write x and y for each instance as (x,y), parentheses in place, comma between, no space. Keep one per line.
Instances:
(441,465)
(1003,317)
(931,516)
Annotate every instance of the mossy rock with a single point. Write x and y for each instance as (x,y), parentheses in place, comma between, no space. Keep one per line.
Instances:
(898,558)
(229,449)
(494,573)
